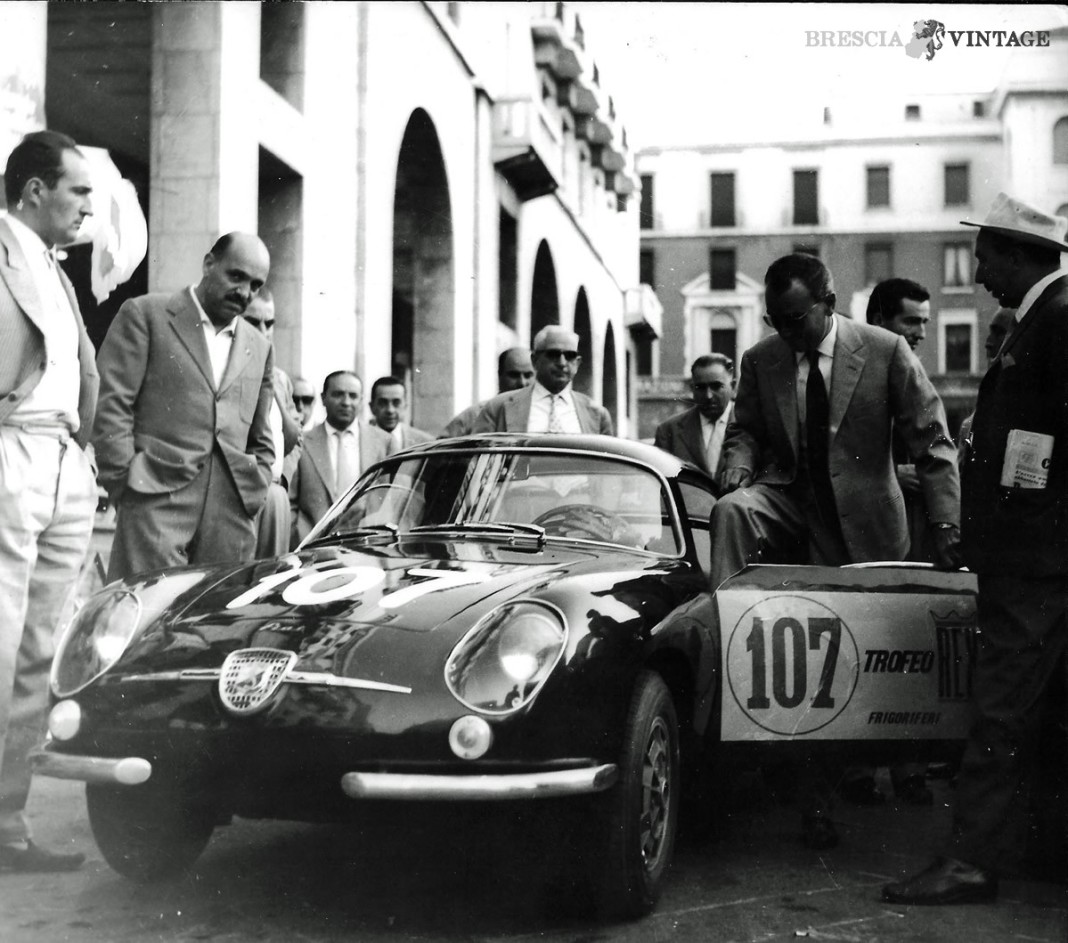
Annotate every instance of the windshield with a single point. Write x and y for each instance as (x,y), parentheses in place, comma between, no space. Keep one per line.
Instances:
(577,496)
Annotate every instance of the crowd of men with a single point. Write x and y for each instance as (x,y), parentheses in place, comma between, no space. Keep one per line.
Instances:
(831,447)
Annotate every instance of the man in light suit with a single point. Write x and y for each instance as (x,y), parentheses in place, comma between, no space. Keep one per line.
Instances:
(273,526)
(388,403)
(1014,507)
(829,483)
(549,404)
(697,434)
(182,434)
(334,453)
(48,392)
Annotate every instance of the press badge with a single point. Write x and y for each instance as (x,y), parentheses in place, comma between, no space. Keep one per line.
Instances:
(1027,458)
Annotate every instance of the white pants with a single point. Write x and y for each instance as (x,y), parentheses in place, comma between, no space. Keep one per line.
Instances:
(47,503)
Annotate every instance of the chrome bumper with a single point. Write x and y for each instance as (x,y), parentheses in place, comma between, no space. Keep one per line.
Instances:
(547,785)
(128,771)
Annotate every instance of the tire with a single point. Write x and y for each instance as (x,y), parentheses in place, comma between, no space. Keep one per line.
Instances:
(641,817)
(146,834)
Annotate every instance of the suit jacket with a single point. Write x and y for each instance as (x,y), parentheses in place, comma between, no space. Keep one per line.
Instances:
(877,385)
(22,340)
(311,489)
(683,437)
(463,422)
(510,412)
(291,430)
(160,415)
(1014,531)
(410,436)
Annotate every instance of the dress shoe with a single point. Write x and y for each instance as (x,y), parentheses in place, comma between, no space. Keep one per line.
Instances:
(946,881)
(818,832)
(862,791)
(913,789)
(35,858)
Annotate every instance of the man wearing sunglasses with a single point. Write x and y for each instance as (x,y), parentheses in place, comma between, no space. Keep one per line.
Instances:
(304,400)
(549,404)
(808,455)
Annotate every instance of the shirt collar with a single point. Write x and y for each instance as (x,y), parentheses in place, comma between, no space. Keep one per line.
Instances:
(826,347)
(723,417)
(230,328)
(31,244)
(333,430)
(1035,292)
(541,393)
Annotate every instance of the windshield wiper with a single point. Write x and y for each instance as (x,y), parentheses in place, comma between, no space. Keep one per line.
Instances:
(368,530)
(493,527)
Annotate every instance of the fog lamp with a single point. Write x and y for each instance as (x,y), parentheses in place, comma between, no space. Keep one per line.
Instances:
(65,720)
(470,737)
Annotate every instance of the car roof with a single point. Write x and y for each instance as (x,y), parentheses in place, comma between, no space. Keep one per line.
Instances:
(661,461)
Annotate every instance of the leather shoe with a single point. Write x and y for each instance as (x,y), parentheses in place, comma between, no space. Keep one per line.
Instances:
(35,858)
(946,881)
(818,832)
(862,791)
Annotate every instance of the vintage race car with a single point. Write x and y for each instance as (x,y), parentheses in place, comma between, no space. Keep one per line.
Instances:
(489,619)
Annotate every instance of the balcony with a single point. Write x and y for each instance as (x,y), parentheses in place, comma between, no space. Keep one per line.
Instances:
(526,149)
(593,131)
(609,160)
(642,311)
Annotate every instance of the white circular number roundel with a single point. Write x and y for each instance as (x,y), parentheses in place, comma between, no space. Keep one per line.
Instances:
(792,664)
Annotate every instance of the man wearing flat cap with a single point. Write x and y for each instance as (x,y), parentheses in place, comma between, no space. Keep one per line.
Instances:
(1014,532)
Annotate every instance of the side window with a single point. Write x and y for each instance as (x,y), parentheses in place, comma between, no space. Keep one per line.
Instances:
(697,504)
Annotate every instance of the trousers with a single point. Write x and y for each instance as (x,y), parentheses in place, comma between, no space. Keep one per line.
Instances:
(47,505)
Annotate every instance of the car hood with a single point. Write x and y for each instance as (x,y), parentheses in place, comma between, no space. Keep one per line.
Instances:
(373,612)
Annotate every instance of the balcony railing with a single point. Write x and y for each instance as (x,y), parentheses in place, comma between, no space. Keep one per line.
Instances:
(526,149)
(642,311)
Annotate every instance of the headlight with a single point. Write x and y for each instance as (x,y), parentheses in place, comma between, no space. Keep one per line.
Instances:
(501,664)
(106,624)
(95,639)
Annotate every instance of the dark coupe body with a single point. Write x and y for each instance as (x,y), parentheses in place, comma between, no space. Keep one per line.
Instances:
(491,618)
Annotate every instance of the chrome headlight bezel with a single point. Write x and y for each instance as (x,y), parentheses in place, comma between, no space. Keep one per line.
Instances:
(95,639)
(519,643)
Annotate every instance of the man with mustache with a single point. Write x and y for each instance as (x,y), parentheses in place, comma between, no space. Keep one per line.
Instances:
(182,435)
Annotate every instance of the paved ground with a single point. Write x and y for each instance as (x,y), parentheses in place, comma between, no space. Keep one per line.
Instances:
(410,880)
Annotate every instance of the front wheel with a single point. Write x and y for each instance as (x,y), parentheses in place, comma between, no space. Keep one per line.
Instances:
(147,834)
(642,814)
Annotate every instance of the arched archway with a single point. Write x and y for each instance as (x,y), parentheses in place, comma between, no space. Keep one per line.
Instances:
(544,300)
(609,382)
(423,299)
(584,381)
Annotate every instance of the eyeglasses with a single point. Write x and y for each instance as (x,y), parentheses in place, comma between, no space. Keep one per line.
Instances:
(789,320)
(554,353)
(304,400)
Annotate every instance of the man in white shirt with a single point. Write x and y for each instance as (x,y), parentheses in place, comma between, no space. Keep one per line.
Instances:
(48,393)
(549,404)
(697,434)
(334,453)
(389,402)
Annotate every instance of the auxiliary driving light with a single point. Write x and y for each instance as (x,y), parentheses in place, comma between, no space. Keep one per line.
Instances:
(470,737)
(65,720)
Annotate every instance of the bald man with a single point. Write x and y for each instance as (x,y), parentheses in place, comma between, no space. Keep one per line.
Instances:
(182,435)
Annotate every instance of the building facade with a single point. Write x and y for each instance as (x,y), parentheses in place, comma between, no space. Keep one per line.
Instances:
(876,189)
(435,181)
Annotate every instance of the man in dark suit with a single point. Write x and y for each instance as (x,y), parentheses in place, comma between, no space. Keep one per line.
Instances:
(182,434)
(549,404)
(334,453)
(389,402)
(828,483)
(48,391)
(697,434)
(514,372)
(1014,513)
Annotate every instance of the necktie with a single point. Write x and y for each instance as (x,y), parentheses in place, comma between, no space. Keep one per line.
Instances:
(554,419)
(713,448)
(817,438)
(347,466)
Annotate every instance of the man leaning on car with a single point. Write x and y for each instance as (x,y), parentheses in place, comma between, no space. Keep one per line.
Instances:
(1015,538)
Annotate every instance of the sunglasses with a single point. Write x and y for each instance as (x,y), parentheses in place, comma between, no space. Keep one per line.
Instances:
(554,353)
(304,400)
(788,320)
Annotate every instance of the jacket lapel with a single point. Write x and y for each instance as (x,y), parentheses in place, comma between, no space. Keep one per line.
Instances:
(1021,327)
(240,354)
(783,379)
(185,321)
(517,411)
(315,444)
(693,438)
(845,373)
